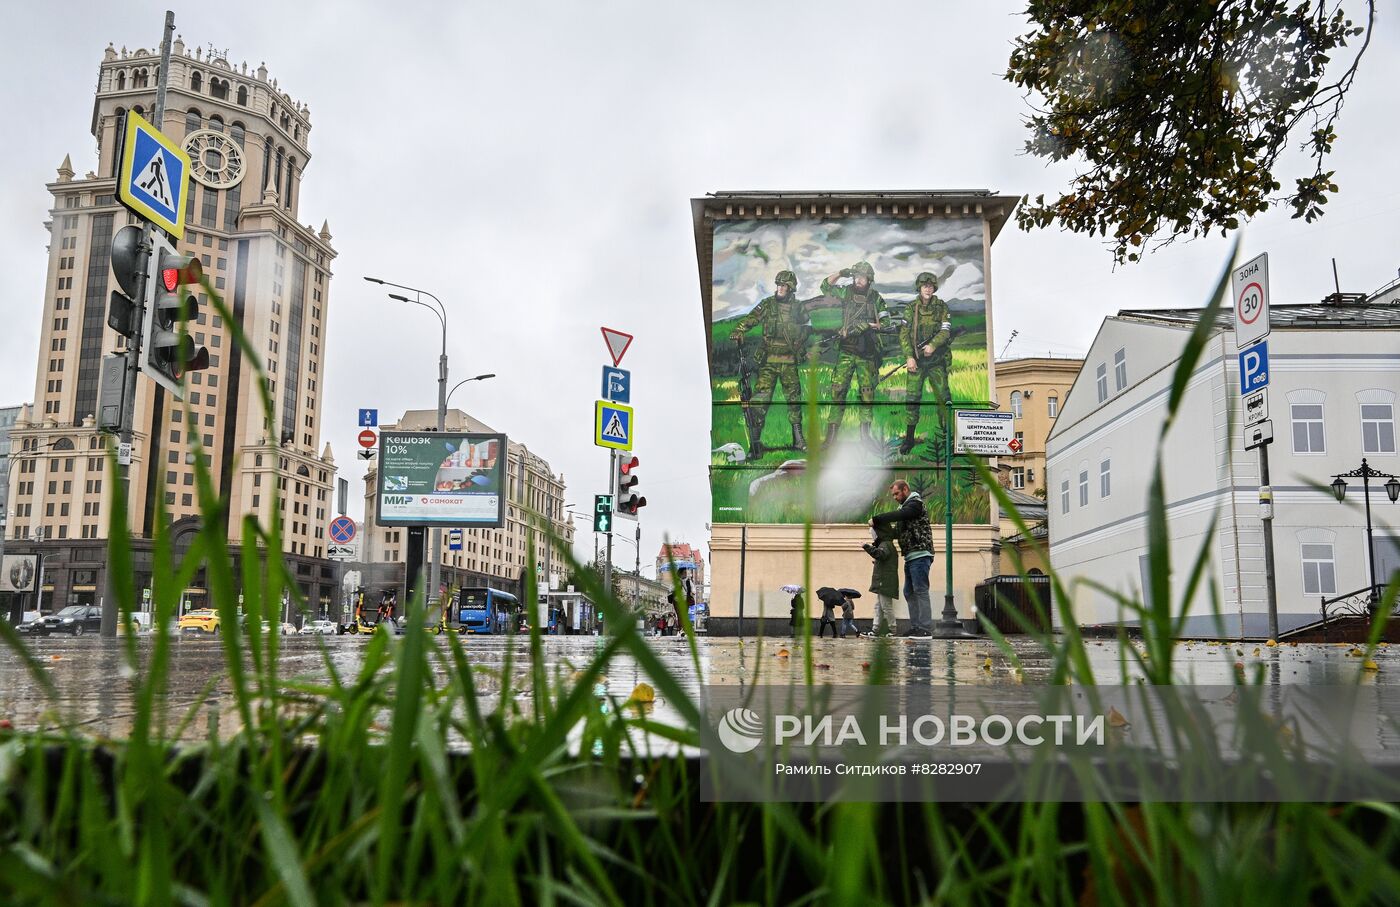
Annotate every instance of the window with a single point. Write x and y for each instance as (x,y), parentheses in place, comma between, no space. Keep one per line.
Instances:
(1120,369)
(1016,404)
(1021,440)
(1103,382)
(1105,484)
(1377,421)
(1083,486)
(1018,477)
(1308,434)
(1319,569)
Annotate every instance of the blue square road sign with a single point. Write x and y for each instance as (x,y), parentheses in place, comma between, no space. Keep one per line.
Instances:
(617,384)
(1254,368)
(369,418)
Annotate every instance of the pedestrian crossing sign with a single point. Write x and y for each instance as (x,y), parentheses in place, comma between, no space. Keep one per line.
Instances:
(612,425)
(153,180)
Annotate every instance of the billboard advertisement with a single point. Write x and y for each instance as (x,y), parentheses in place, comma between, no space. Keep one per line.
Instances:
(872,322)
(19,573)
(441,479)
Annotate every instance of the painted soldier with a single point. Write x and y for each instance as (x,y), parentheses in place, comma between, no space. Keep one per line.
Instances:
(858,344)
(926,339)
(783,321)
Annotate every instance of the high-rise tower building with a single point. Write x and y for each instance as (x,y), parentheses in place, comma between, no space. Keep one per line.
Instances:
(248,142)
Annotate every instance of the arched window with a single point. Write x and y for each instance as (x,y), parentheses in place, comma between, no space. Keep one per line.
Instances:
(1053,406)
(196,82)
(216,122)
(121,140)
(303,471)
(1016,404)
(121,81)
(219,88)
(235,132)
(277,181)
(291,170)
(64,443)
(192,121)
(286,122)
(94,442)
(267,162)
(243,95)
(257,459)
(139,78)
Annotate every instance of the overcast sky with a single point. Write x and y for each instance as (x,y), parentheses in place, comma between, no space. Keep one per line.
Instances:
(532,164)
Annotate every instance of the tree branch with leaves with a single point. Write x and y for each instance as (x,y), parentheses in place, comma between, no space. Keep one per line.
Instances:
(1181,111)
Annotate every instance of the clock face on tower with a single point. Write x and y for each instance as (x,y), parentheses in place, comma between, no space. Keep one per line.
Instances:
(215,159)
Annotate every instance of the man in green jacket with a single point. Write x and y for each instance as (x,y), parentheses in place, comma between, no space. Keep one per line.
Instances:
(916,544)
(862,312)
(784,346)
(926,339)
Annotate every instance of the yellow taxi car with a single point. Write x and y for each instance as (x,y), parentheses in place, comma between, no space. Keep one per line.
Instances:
(201,620)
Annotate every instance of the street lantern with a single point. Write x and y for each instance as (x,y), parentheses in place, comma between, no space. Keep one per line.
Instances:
(1392,491)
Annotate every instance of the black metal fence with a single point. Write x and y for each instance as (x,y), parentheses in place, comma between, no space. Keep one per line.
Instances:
(1000,599)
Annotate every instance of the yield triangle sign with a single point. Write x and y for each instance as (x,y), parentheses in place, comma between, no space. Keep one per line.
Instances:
(618,342)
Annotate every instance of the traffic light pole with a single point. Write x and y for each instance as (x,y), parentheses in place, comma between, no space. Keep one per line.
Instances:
(133,353)
(607,563)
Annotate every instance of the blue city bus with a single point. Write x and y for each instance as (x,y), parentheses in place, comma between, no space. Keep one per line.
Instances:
(485,610)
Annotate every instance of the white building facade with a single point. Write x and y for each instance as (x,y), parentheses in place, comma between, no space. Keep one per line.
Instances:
(1332,396)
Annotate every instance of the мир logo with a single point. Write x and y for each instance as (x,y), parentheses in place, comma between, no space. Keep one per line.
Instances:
(740,730)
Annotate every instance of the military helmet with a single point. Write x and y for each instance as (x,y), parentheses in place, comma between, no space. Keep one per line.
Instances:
(864,269)
(924,278)
(788,278)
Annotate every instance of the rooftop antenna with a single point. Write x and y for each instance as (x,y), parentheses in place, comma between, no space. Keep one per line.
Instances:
(1008,344)
(1337,284)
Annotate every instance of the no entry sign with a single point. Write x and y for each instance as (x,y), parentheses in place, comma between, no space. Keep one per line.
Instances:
(368,438)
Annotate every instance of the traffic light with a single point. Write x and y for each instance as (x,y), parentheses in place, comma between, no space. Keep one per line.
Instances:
(628,501)
(602,513)
(167,352)
(126,260)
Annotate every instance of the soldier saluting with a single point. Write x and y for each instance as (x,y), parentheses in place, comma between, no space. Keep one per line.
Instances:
(862,310)
(926,339)
(785,332)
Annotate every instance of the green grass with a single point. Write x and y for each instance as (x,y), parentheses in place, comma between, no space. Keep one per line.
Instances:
(344,791)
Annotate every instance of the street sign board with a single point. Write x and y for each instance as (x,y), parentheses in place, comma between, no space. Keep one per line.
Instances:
(368,454)
(617,384)
(368,438)
(602,513)
(1259,434)
(153,180)
(1254,368)
(342,530)
(449,479)
(1249,285)
(984,433)
(369,418)
(340,552)
(617,342)
(454,540)
(612,425)
(1256,407)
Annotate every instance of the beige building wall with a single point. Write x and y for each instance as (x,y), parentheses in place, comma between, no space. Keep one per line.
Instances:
(1037,386)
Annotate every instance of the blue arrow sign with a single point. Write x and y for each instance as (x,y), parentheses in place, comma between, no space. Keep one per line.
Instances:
(369,418)
(1254,368)
(617,384)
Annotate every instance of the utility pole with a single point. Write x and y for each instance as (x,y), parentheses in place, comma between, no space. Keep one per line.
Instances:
(1266,513)
(607,564)
(133,350)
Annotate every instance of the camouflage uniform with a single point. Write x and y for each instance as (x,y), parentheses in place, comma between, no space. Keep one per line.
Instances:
(785,335)
(927,323)
(859,349)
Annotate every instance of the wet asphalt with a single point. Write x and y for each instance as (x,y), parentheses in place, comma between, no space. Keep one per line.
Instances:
(96,687)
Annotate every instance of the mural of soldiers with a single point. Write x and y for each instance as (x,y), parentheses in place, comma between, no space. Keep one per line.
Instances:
(783,321)
(862,309)
(926,339)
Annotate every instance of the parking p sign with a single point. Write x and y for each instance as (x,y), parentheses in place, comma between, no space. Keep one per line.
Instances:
(1254,368)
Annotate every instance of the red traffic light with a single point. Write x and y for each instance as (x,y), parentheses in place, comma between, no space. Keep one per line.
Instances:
(629,465)
(179,269)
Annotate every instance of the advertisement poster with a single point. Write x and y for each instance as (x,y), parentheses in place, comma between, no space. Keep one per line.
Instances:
(19,572)
(441,479)
(874,321)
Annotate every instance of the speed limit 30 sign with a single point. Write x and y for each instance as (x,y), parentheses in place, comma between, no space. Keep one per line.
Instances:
(1249,284)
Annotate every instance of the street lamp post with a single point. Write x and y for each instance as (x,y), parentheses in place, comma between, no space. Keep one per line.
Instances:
(441,312)
(1392,490)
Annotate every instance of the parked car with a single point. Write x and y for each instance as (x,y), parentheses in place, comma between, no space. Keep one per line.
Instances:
(319,628)
(288,629)
(201,620)
(74,620)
